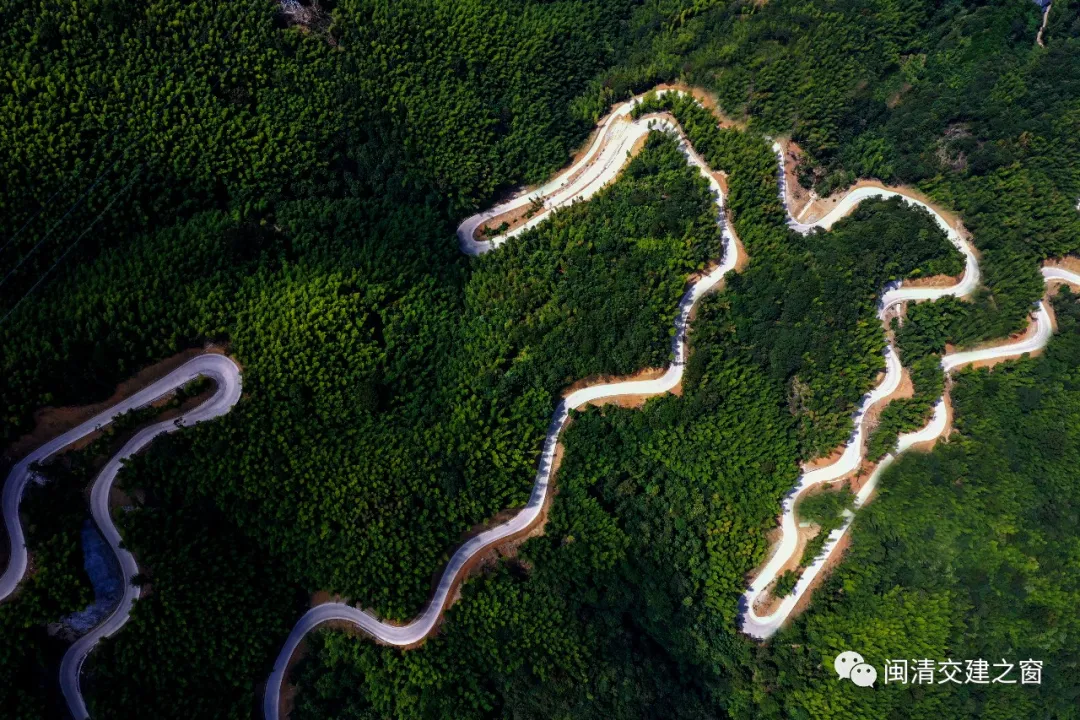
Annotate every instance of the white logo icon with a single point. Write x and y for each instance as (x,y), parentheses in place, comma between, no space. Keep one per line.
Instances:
(850,665)
(845,661)
(864,675)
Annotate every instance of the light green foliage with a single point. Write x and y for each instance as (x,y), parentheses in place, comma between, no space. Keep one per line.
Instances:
(824,509)
(908,414)
(969,552)
(297,190)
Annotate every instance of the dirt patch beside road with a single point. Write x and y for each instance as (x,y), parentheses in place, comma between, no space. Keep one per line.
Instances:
(52,421)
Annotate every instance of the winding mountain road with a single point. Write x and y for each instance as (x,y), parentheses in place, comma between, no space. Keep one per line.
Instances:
(764,625)
(600,165)
(606,155)
(226,377)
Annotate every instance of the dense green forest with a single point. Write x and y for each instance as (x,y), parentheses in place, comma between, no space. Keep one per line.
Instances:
(54,513)
(331,314)
(634,648)
(970,552)
(287,182)
(625,608)
(338,407)
(805,306)
(171,109)
(953,97)
(212,611)
(29,655)
(599,264)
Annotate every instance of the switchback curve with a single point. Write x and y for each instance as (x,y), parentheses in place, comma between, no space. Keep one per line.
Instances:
(600,164)
(226,377)
(762,626)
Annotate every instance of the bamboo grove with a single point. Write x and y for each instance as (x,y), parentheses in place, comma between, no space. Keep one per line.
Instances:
(285,183)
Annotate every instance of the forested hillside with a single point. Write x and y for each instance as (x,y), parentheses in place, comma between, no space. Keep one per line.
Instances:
(804,307)
(970,552)
(284,179)
(953,97)
(168,109)
(636,580)
(29,657)
(627,607)
(377,369)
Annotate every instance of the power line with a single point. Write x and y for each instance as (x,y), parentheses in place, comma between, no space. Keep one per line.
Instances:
(97,148)
(89,160)
(72,246)
(57,223)
(78,202)
(85,193)
(63,187)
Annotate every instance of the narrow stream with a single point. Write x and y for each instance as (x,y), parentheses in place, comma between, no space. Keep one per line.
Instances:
(105,576)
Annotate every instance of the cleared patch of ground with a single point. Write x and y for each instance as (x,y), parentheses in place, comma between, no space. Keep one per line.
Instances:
(52,421)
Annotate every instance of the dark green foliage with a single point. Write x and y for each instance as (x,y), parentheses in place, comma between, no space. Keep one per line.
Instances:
(213,608)
(627,607)
(332,312)
(56,584)
(953,97)
(636,575)
(825,509)
(54,514)
(223,108)
(806,306)
(908,414)
(785,584)
(297,190)
(376,367)
(340,406)
(969,552)
(153,298)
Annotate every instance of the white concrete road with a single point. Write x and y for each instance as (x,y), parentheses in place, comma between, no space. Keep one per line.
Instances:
(600,164)
(762,626)
(226,377)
